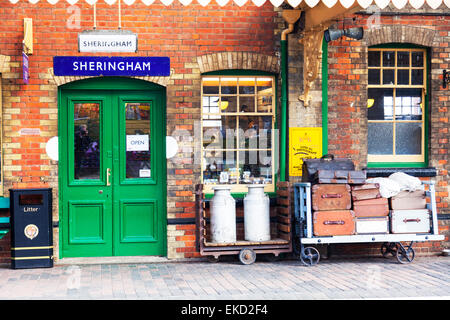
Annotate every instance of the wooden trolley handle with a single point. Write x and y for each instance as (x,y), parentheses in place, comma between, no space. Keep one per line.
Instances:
(338,222)
(411,220)
(331,195)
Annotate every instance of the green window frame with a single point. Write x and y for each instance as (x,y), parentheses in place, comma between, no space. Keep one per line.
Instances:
(398,88)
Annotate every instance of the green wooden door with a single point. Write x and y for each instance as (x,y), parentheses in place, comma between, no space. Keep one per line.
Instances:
(112,170)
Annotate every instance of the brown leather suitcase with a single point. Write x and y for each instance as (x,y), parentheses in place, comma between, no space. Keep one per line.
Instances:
(366,191)
(331,197)
(406,200)
(334,223)
(340,176)
(371,207)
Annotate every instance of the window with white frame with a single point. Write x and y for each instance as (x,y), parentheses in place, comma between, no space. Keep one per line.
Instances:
(396,105)
(238,117)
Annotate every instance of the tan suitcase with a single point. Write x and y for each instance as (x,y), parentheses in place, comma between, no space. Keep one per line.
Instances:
(334,223)
(331,197)
(371,208)
(406,200)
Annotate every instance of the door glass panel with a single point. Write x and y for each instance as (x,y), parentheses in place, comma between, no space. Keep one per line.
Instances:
(87,141)
(138,139)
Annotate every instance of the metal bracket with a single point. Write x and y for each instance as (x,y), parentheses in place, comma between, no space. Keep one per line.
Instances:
(445,78)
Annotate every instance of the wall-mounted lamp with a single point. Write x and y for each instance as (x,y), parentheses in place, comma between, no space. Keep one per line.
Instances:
(334,34)
(445,78)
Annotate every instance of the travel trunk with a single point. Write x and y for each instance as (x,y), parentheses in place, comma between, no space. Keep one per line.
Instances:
(366,191)
(334,223)
(409,200)
(331,197)
(327,162)
(410,221)
(371,208)
(372,225)
(340,176)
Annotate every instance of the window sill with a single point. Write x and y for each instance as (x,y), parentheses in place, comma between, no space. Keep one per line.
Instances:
(415,172)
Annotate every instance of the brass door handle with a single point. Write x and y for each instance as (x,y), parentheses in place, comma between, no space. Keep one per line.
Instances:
(108,173)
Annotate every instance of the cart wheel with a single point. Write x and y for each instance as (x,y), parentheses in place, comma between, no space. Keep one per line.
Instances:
(213,259)
(405,256)
(310,256)
(387,248)
(247,256)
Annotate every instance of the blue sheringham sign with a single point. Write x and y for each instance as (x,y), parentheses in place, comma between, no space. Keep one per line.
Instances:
(111,66)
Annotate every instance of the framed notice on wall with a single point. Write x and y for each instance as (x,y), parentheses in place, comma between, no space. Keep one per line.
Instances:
(304,143)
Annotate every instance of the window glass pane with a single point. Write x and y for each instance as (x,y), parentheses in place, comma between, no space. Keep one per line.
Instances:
(417,76)
(228,104)
(219,133)
(210,85)
(380,104)
(255,132)
(374,58)
(417,59)
(138,140)
(211,104)
(388,59)
(246,85)
(219,167)
(402,76)
(402,58)
(388,76)
(380,138)
(408,104)
(247,104)
(374,76)
(264,103)
(264,86)
(255,166)
(87,141)
(408,138)
(229,85)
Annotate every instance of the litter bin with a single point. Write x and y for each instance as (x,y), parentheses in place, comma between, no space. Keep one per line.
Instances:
(31,228)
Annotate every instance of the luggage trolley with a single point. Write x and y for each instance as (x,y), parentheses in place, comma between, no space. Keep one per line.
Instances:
(281,235)
(391,243)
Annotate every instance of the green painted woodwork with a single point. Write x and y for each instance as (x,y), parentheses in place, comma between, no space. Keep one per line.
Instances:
(128,217)
(324,97)
(426,112)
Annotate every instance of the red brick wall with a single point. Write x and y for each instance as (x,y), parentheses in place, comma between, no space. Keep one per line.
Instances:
(181,33)
(347,95)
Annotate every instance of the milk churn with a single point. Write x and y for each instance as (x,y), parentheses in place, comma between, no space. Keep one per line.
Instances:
(223,215)
(256,214)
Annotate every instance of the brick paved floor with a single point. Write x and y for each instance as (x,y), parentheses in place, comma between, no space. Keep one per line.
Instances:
(369,278)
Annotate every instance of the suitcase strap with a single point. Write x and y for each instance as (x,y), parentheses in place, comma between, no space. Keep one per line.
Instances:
(411,220)
(338,222)
(331,195)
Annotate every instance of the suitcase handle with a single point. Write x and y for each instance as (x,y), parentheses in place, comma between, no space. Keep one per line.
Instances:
(411,220)
(331,195)
(338,222)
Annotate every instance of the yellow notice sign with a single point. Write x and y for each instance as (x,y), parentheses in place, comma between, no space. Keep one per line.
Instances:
(304,143)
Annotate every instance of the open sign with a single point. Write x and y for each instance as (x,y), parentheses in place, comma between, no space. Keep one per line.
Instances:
(138,142)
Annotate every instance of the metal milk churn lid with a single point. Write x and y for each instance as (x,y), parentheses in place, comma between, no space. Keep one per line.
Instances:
(223,215)
(256,214)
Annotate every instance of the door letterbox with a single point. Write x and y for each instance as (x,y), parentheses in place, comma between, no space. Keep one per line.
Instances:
(31,228)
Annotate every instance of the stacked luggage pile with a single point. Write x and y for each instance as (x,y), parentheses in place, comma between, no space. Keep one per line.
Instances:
(344,203)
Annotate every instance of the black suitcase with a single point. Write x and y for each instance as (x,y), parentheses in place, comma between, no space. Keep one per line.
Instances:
(327,162)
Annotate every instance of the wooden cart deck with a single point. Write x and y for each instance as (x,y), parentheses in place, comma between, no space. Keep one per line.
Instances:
(280,243)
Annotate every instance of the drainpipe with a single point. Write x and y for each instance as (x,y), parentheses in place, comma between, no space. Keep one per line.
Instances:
(290,16)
